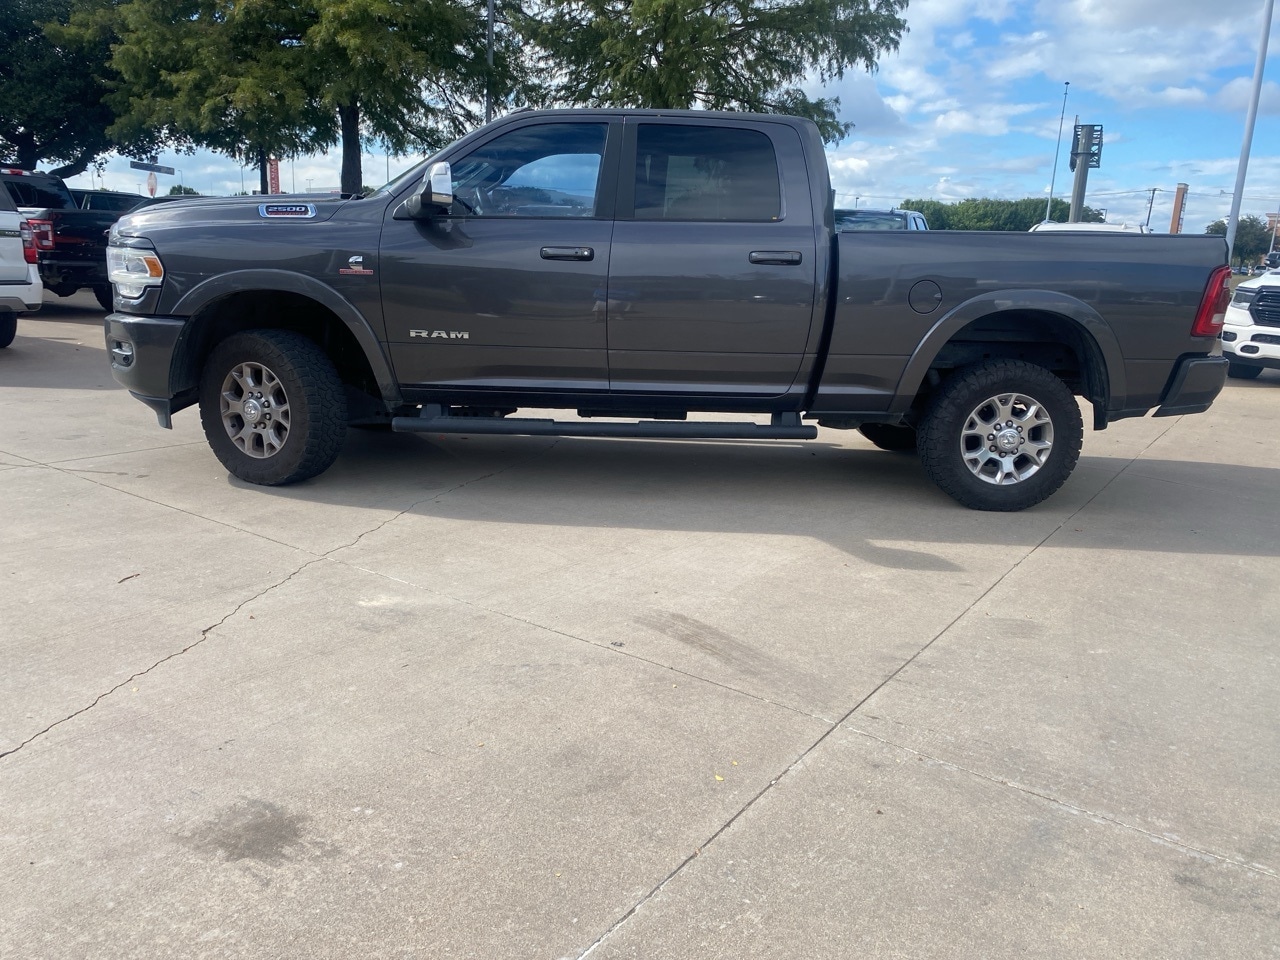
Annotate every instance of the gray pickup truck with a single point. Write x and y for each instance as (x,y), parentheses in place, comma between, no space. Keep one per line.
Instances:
(636,267)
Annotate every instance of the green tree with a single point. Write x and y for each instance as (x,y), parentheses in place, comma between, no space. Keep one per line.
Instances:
(990,214)
(178,190)
(1253,238)
(54,86)
(405,74)
(283,77)
(717,54)
(229,76)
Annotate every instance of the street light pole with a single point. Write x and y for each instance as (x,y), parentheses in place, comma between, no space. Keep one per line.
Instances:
(488,79)
(1053,177)
(1250,119)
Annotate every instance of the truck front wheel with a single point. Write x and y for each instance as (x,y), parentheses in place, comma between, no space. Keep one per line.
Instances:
(272,407)
(1001,435)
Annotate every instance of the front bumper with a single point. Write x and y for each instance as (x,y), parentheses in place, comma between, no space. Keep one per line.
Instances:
(1250,343)
(142,351)
(1195,384)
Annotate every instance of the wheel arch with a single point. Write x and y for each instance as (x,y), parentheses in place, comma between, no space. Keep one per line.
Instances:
(277,299)
(1007,322)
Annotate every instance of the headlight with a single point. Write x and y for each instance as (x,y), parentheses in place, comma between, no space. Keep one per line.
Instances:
(133,270)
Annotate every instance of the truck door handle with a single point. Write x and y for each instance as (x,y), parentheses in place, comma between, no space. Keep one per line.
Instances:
(780,258)
(568,253)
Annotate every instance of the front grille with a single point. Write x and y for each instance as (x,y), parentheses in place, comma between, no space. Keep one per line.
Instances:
(1265,308)
(1266,338)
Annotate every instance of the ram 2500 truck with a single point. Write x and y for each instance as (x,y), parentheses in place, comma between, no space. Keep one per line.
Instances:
(645,266)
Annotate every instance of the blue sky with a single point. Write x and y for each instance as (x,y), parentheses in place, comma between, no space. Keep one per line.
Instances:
(969,107)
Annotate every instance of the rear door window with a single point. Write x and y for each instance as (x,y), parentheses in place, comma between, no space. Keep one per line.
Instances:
(693,172)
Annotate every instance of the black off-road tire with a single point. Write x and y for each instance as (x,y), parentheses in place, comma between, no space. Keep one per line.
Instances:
(104,295)
(8,328)
(305,391)
(1243,371)
(956,412)
(890,436)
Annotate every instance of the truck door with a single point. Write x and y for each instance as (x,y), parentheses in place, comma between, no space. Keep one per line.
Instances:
(508,293)
(712,276)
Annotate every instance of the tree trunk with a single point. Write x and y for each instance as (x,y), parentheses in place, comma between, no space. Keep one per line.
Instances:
(264,186)
(28,154)
(76,167)
(349,116)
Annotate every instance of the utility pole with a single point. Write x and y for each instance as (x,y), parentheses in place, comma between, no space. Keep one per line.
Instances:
(1053,177)
(1086,152)
(1151,203)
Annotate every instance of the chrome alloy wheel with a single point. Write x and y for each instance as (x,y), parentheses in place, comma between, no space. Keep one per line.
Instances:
(255,410)
(1006,439)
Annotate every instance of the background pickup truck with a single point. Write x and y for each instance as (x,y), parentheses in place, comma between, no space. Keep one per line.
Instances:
(71,244)
(645,266)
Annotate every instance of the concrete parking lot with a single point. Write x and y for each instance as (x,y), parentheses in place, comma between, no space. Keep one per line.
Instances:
(528,698)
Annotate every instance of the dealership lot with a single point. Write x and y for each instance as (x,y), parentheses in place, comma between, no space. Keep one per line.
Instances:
(521,697)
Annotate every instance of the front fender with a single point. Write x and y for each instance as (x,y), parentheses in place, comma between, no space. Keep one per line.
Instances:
(284,281)
(1077,311)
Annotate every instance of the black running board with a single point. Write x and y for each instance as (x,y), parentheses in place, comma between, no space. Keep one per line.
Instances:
(785,426)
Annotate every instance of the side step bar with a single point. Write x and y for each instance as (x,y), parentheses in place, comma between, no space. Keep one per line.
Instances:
(784,426)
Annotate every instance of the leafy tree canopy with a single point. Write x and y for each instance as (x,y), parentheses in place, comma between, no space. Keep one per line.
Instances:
(54,86)
(1253,238)
(989,214)
(284,77)
(718,54)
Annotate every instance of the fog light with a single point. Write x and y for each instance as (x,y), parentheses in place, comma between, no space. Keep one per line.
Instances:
(1227,336)
(122,353)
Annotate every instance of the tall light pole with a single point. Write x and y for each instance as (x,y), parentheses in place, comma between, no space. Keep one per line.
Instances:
(1251,118)
(488,80)
(1053,178)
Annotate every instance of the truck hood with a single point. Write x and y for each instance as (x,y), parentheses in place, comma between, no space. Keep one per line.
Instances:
(214,210)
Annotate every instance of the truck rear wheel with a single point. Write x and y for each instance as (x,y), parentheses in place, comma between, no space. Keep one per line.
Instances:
(1001,435)
(8,328)
(272,407)
(105,297)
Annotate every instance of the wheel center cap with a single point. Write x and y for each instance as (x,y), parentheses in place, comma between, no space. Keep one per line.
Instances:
(1008,440)
(252,411)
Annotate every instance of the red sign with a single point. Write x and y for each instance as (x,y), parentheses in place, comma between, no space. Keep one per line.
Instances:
(273,175)
(151,183)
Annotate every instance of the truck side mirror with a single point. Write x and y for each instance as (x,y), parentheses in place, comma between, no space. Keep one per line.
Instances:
(434,196)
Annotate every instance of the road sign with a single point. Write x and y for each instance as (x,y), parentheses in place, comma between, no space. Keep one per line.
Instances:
(273,175)
(153,167)
(151,184)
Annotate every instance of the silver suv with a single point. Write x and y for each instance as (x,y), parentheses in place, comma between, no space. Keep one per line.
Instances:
(20,288)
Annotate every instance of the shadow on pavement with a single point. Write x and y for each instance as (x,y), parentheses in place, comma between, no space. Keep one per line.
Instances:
(868,503)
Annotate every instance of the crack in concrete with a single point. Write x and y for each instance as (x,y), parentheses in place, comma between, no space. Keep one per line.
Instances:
(804,755)
(204,635)
(1067,805)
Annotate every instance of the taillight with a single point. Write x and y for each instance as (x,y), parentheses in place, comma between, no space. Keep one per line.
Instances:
(42,233)
(28,242)
(1213,305)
